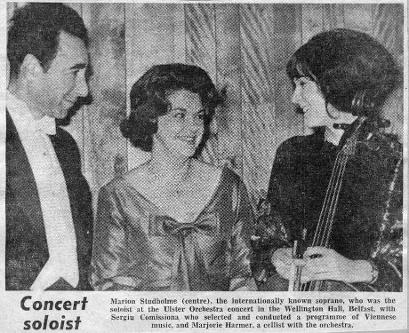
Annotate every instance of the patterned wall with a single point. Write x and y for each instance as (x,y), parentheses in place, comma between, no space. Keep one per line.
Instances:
(243,47)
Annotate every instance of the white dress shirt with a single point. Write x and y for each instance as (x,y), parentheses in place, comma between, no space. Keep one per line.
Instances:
(53,195)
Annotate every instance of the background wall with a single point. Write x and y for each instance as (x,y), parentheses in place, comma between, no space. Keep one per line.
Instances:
(243,47)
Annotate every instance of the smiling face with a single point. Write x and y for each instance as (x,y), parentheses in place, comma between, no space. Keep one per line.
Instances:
(181,129)
(307,95)
(53,92)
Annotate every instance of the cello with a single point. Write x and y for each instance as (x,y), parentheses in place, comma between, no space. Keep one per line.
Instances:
(323,230)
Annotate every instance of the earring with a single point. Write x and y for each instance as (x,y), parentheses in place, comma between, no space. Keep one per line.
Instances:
(362,103)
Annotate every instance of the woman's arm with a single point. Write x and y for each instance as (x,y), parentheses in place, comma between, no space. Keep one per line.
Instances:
(240,272)
(386,255)
(271,231)
(110,255)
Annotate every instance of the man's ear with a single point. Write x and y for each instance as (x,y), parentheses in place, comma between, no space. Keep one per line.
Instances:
(31,67)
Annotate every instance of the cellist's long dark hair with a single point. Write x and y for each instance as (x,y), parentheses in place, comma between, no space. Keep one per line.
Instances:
(354,71)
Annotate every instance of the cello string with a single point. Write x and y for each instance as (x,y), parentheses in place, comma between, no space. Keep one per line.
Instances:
(334,203)
(313,285)
(327,213)
(347,150)
(325,229)
(323,233)
(324,211)
(331,204)
(329,223)
(324,205)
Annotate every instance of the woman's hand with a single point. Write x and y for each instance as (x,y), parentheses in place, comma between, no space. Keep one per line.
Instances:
(283,260)
(327,264)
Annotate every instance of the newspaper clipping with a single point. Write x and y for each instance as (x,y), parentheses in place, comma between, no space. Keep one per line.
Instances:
(204,166)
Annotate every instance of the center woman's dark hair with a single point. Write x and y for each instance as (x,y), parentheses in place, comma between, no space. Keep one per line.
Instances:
(354,71)
(149,99)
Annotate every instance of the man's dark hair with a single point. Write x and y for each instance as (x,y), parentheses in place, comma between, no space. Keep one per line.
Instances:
(149,99)
(354,71)
(35,28)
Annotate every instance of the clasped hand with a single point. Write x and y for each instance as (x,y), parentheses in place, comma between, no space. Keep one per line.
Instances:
(320,263)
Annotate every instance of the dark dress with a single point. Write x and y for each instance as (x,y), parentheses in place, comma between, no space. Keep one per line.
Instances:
(136,247)
(368,218)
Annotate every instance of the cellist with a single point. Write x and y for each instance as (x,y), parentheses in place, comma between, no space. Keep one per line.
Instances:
(353,195)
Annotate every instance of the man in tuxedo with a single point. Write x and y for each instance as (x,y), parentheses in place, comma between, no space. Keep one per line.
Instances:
(48,202)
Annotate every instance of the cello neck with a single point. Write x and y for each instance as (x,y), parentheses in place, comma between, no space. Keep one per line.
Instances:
(325,223)
(326,219)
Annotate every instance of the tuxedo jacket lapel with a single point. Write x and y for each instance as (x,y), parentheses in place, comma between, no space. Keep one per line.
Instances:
(26,243)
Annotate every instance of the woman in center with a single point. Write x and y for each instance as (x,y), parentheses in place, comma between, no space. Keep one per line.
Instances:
(174,222)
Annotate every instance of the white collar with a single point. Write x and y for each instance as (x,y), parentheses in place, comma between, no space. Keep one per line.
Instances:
(20,112)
